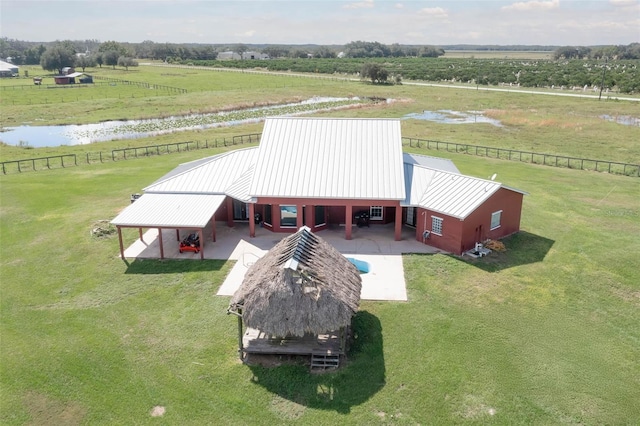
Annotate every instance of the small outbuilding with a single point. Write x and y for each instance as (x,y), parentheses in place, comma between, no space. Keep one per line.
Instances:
(298,299)
(7,69)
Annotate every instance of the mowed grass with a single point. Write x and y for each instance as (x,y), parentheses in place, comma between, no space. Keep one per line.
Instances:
(546,333)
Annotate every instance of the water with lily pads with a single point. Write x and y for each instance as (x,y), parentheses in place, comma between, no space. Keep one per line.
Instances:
(41,136)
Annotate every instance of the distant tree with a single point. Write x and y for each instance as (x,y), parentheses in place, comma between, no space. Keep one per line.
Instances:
(33,55)
(631,51)
(366,49)
(298,53)
(113,46)
(144,49)
(375,72)
(430,52)
(240,49)
(85,61)
(571,52)
(276,51)
(99,59)
(110,57)
(127,62)
(324,52)
(57,57)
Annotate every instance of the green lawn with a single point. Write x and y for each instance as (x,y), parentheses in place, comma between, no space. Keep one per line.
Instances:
(546,333)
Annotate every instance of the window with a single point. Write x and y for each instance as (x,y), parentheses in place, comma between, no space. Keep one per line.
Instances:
(375,212)
(436,225)
(288,215)
(320,216)
(267,214)
(495,219)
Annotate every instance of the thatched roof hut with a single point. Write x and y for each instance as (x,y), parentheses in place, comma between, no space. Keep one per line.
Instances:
(303,285)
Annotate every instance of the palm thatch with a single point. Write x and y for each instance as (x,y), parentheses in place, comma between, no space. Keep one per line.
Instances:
(302,285)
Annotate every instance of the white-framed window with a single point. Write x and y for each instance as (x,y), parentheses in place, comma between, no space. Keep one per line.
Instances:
(288,216)
(495,219)
(436,225)
(375,212)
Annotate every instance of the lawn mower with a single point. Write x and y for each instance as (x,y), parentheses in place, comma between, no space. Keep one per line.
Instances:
(191,243)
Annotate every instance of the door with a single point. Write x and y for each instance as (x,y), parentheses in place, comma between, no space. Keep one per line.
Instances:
(240,210)
(411,216)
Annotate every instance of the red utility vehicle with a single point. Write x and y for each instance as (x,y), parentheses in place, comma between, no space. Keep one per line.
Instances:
(191,243)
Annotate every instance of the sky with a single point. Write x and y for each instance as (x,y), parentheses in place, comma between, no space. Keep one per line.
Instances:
(325,22)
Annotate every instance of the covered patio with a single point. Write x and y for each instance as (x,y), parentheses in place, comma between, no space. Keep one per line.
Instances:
(169,212)
(375,245)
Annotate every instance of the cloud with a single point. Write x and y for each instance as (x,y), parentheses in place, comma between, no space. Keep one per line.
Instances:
(524,6)
(249,33)
(399,6)
(436,12)
(623,3)
(366,4)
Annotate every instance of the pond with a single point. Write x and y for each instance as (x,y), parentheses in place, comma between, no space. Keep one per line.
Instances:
(41,136)
(446,116)
(626,120)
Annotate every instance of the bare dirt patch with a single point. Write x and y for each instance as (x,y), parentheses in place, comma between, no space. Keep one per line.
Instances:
(45,410)
(157,411)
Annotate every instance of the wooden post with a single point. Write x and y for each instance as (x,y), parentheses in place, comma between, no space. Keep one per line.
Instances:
(299,216)
(252,222)
(177,234)
(240,333)
(120,240)
(140,232)
(201,237)
(161,245)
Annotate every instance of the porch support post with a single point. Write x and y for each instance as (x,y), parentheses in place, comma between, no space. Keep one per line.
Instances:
(299,216)
(120,240)
(252,222)
(348,222)
(201,237)
(230,212)
(160,241)
(177,234)
(398,233)
(213,230)
(140,232)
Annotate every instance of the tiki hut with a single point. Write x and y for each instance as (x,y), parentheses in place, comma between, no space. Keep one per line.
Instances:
(297,299)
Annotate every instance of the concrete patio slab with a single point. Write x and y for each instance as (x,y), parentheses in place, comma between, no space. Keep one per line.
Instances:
(374,245)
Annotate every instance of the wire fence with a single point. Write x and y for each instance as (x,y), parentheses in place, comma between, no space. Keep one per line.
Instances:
(120,154)
(554,160)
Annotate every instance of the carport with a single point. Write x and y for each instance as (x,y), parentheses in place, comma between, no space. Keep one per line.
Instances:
(173,211)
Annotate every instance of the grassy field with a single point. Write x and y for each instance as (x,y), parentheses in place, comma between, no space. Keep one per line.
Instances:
(546,333)
(547,124)
(498,54)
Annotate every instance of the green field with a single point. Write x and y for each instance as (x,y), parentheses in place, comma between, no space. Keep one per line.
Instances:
(546,333)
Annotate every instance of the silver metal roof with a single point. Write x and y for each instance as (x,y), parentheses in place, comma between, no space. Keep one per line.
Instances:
(451,194)
(432,162)
(214,176)
(330,158)
(170,210)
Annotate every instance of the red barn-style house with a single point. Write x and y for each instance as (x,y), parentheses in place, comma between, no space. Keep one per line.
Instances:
(318,172)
